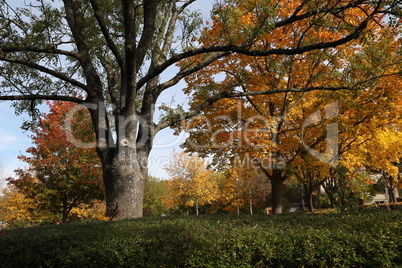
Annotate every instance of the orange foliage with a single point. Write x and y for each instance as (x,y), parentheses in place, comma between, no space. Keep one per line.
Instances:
(278,127)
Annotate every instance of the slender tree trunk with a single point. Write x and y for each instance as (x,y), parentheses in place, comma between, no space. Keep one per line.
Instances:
(330,191)
(250,202)
(64,215)
(332,200)
(196,207)
(309,196)
(319,197)
(310,205)
(302,200)
(391,195)
(65,210)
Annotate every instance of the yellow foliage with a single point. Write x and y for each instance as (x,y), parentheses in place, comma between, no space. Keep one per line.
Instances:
(191,183)
(17,209)
(95,211)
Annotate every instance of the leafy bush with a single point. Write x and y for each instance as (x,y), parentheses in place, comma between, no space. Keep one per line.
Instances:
(368,239)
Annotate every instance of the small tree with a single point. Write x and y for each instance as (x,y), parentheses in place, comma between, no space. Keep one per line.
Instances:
(18,210)
(191,183)
(154,194)
(61,176)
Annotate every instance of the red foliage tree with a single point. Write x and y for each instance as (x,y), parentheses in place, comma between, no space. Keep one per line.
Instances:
(61,175)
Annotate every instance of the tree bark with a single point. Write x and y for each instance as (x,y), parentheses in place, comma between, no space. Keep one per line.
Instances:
(391,195)
(64,211)
(303,200)
(277,187)
(124,185)
(250,202)
(309,197)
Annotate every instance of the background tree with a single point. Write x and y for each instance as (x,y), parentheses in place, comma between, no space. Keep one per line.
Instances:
(241,190)
(61,175)
(17,210)
(275,130)
(154,195)
(384,156)
(113,52)
(311,173)
(192,184)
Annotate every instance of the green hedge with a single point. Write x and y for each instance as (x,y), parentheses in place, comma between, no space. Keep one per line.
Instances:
(368,239)
(377,207)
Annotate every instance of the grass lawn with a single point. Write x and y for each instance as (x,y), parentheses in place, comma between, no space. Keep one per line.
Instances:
(365,239)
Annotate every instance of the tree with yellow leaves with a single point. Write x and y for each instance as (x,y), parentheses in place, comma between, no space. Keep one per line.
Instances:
(191,183)
(384,155)
(242,189)
(17,210)
(327,102)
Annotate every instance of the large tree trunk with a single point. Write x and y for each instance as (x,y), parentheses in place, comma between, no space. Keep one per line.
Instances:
(277,187)
(124,185)
(277,177)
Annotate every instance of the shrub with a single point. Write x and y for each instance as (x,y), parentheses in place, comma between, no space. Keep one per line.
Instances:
(369,239)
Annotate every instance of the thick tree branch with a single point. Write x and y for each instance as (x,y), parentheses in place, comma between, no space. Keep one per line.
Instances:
(129,72)
(184,73)
(105,31)
(150,11)
(171,26)
(46,70)
(245,50)
(41,97)
(333,10)
(170,31)
(76,21)
(225,95)
(50,50)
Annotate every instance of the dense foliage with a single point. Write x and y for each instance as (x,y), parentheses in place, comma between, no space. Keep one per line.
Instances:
(293,240)
(61,175)
(118,54)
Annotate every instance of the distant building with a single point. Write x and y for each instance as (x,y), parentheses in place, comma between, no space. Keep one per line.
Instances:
(382,195)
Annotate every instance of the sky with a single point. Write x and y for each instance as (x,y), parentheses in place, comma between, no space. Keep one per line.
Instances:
(14,141)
